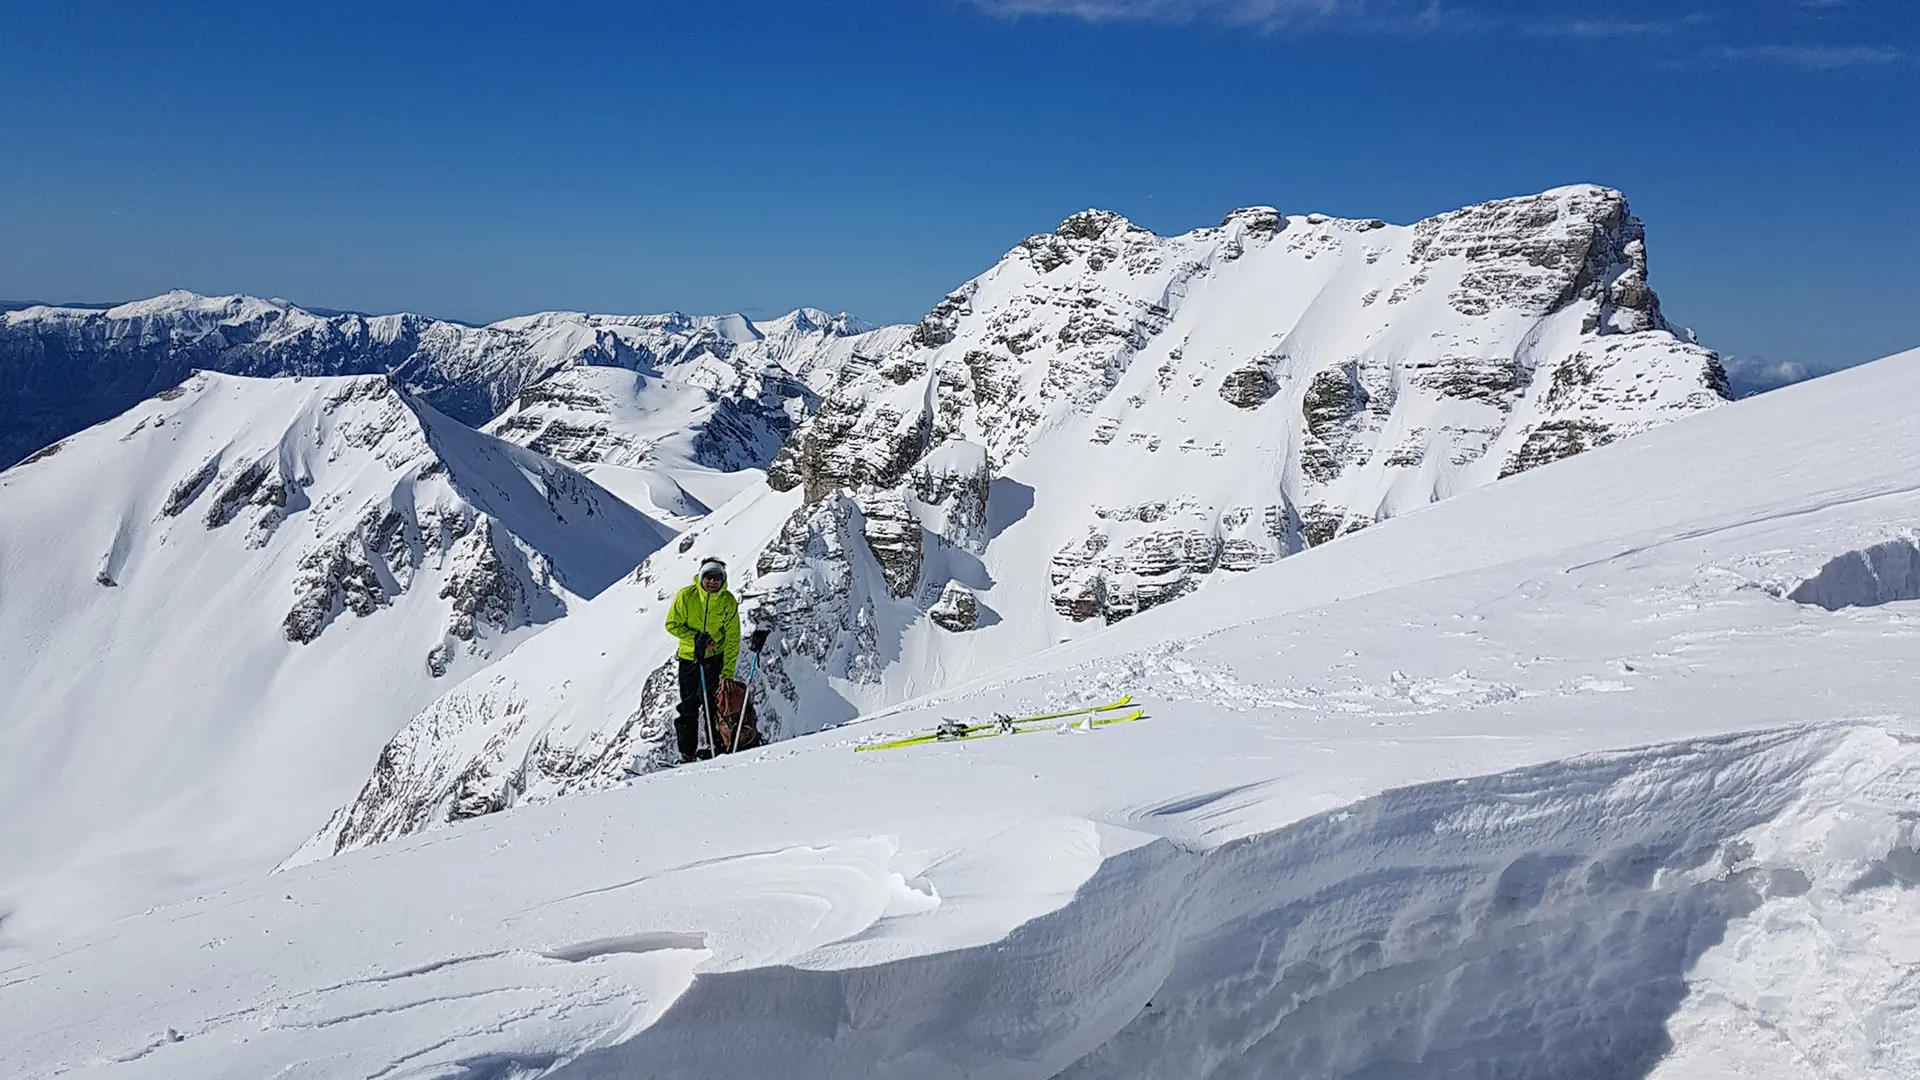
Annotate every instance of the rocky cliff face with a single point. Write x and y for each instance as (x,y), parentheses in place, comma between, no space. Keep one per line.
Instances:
(62,369)
(1105,421)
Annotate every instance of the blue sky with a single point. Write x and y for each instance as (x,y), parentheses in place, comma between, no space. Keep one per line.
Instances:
(476,160)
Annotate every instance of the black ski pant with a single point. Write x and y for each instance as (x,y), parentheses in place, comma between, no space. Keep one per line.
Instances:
(687,724)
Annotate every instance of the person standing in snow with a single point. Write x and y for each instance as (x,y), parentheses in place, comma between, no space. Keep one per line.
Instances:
(706,619)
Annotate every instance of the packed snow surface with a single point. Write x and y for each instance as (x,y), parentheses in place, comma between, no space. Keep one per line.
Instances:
(1552,779)
(216,608)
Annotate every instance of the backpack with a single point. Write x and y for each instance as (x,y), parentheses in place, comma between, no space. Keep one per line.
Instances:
(731,700)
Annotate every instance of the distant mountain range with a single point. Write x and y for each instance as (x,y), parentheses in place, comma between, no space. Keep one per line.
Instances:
(64,368)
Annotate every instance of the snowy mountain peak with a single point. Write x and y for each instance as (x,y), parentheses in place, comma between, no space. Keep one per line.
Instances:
(1094,224)
(737,329)
(1339,313)
(1256,219)
(1544,252)
(265,577)
(717,412)
(807,321)
(183,301)
(363,489)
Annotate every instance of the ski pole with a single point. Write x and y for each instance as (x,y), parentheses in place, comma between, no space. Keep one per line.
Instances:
(706,709)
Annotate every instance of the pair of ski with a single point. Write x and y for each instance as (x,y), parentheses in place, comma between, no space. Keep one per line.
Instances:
(962,731)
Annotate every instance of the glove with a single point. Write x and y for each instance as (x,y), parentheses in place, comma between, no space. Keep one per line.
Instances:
(702,645)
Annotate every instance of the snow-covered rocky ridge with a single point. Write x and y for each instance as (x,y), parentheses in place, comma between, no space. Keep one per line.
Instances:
(1576,775)
(216,608)
(62,369)
(1358,369)
(1103,422)
(676,445)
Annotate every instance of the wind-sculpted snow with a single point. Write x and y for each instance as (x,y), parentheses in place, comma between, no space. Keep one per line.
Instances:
(1882,574)
(216,608)
(1537,923)
(62,369)
(1104,422)
(1594,917)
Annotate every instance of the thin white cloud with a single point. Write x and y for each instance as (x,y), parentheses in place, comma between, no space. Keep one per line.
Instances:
(1816,57)
(1266,13)
(1459,16)
(1617,28)
(1238,11)
(1750,375)
(1587,28)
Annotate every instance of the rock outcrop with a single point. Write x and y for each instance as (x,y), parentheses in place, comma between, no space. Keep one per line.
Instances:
(958,609)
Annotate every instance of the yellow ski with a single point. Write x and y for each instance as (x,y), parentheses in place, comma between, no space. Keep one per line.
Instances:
(954,731)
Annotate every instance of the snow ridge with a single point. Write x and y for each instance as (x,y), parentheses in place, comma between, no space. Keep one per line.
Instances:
(1626,913)
(1540,922)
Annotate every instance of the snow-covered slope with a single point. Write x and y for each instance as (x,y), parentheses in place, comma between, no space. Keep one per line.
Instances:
(216,608)
(651,441)
(1608,770)
(1103,422)
(62,369)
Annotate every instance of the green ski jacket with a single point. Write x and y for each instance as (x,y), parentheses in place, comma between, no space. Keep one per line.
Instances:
(718,614)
